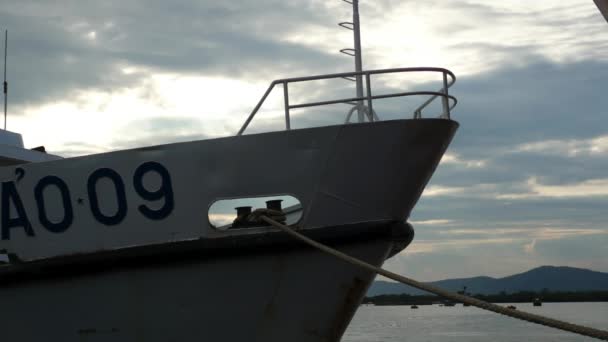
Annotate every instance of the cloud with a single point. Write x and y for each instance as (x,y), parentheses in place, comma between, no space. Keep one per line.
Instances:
(452,158)
(427,246)
(157,131)
(595,146)
(463,239)
(561,233)
(437,190)
(436,222)
(484,232)
(587,188)
(58,49)
(475,36)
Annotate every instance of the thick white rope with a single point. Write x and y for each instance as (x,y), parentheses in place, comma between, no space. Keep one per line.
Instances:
(538,319)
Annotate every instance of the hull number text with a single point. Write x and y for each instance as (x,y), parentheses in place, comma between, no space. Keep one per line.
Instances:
(14,216)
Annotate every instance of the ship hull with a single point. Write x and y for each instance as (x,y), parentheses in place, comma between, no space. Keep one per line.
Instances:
(119,246)
(279,290)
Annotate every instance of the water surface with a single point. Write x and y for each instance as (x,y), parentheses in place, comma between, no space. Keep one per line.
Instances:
(430,323)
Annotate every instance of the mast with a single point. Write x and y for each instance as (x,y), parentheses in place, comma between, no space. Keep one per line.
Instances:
(5,84)
(358,58)
(356,52)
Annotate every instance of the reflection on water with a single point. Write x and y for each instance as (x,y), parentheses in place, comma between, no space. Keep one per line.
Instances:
(430,323)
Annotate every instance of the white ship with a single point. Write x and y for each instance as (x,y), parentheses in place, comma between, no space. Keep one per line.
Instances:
(122,246)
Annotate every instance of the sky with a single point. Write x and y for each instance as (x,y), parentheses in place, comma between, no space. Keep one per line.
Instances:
(523,184)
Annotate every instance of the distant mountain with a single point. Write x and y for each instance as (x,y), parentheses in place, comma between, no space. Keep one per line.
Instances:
(553,278)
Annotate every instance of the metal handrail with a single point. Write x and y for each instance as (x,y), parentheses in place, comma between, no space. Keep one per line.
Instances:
(443,92)
(418,111)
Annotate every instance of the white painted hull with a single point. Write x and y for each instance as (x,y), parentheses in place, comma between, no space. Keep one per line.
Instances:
(346,174)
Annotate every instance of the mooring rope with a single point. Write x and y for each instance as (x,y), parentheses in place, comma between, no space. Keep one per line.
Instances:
(526,316)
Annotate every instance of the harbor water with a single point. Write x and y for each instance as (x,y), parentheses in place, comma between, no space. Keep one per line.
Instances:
(431,323)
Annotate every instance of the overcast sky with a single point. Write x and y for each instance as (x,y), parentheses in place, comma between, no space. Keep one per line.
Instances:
(524,184)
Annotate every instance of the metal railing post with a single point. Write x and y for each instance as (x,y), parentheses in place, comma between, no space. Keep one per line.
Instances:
(255,110)
(370,109)
(286,99)
(446,105)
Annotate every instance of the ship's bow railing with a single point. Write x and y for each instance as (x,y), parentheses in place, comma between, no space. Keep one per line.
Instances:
(365,102)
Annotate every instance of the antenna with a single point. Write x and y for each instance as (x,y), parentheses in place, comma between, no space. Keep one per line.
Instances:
(356,53)
(5,83)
